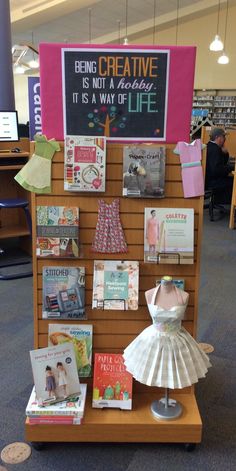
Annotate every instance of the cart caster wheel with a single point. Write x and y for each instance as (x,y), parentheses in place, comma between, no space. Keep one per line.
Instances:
(190,446)
(37,445)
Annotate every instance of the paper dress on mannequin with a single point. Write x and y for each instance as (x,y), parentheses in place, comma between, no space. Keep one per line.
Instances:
(109,235)
(192,173)
(35,176)
(165,354)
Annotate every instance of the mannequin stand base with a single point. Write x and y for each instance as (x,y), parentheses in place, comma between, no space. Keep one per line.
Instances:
(161,412)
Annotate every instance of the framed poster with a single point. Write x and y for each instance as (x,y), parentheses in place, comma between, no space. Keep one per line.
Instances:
(120,94)
(170,124)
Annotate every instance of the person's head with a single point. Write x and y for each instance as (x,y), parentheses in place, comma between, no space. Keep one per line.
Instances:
(218,136)
(48,368)
(59,365)
(153,213)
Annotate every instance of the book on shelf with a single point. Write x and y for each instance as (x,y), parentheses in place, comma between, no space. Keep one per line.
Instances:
(55,373)
(169,235)
(144,171)
(57,231)
(44,420)
(80,336)
(85,163)
(63,292)
(115,284)
(71,407)
(112,383)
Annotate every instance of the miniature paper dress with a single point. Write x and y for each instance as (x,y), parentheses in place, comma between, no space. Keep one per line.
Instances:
(35,176)
(165,354)
(109,235)
(192,173)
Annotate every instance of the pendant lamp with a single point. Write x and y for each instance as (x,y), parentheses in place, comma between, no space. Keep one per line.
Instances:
(216,44)
(126,41)
(224,59)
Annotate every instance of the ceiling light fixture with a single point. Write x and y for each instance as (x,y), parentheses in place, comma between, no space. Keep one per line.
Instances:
(217,44)
(177,22)
(90,24)
(154,23)
(19,69)
(126,42)
(33,63)
(224,59)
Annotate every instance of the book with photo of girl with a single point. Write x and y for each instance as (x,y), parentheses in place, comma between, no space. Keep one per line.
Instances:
(55,373)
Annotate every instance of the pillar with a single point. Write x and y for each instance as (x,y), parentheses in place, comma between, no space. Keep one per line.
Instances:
(7,99)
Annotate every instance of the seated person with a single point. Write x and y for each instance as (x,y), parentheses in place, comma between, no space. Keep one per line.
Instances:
(218,167)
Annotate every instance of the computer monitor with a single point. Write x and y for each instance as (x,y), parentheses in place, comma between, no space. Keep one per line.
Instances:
(9,126)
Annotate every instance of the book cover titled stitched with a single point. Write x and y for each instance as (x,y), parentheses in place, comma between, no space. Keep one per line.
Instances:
(85,163)
(115,284)
(169,235)
(57,231)
(81,338)
(112,383)
(144,171)
(63,292)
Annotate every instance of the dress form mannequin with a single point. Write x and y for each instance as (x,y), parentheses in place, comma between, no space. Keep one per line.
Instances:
(165,354)
(167,296)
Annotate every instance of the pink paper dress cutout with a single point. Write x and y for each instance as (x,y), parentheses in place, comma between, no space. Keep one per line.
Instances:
(109,236)
(192,174)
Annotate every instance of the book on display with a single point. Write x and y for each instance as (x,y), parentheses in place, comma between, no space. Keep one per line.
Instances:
(71,407)
(112,383)
(144,171)
(63,292)
(85,163)
(55,373)
(57,231)
(169,235)
(115,285)
(80,336)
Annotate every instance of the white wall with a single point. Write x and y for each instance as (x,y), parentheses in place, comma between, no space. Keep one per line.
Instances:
(21,97)
(200,32)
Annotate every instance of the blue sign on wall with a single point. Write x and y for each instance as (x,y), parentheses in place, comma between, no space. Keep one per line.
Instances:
(35,123)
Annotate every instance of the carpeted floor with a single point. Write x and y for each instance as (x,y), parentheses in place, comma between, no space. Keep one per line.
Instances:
(215,394)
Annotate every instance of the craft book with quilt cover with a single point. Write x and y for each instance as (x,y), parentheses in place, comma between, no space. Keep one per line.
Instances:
(85,163)
(57,230)
(55,373)
(169,235)
(63,292)
(112,383)
(144,171)
(81,338)
(72,407)
(115,284)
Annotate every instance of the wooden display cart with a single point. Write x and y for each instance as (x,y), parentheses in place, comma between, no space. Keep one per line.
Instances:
(114,330)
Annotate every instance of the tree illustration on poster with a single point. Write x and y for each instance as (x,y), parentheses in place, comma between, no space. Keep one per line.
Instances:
(119,93)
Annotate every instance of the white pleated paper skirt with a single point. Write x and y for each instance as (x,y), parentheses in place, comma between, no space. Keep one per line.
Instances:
(169,360)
